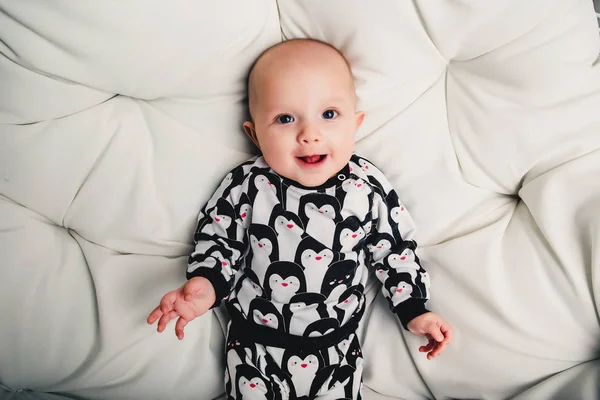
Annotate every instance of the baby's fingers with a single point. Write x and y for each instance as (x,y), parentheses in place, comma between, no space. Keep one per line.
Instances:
(154,315)
(164,320)
(435,332)
(179,326)
(438,349)
(167,302)
(447,332)
(428,347)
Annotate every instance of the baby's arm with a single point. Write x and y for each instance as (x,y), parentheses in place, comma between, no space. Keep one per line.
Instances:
(405,281)
(393,254)
(219,246)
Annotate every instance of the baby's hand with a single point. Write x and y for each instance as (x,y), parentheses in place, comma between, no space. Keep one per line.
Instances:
(435,329)
(189,301)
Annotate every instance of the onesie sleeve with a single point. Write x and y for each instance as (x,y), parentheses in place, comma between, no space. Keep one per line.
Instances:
(219,237)
(393,254)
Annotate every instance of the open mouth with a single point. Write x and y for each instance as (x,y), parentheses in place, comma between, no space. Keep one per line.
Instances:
(313,159)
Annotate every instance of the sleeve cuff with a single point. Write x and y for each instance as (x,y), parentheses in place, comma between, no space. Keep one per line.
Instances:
(216,279)
(410,309)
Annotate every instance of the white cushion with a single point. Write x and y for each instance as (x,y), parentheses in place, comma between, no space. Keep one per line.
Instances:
(118,119)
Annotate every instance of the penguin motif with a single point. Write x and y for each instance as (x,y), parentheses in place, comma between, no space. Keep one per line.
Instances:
(236,354)
(302,368)
(381,272)
(283,280)
(426,282)
(289,235)
(251,385)
(381,217)
(222,219)
(375,176)
(264,247)
(348,303)
(349,234)
(247,289)
(264,192)
(344,344)
(354,358)
(401,217)
(303,309)
(225,183)
(339,386)
(232,179)
(201,260)
(243,211)
(354,353)
(404,262)
(357,200)
(338,278)
(400,293)
(381,246)
(320,213)
(263,312)
(315,259)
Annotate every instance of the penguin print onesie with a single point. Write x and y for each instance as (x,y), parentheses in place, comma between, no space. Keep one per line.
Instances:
(291,263)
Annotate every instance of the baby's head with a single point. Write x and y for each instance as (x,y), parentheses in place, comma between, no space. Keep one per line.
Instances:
(303,107)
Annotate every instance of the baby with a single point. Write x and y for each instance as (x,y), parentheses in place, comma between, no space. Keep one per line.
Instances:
(290,238)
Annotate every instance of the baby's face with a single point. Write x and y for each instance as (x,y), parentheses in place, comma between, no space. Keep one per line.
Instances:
(304,114)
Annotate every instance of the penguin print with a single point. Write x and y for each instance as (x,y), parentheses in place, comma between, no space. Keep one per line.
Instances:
(303,309)
(400,293)
(348,234)
(264,247)
(302,368)
(339,386)
(381,246)
(202,261)
(236,354)
(243,211)
(426,282)
(251,385)
(263,190)
(223,219)
(357,200)
(403,221)
(297,260)
(225,183)
(338,278)
(247,289)
(376,177)
(315,258)
(381,272)
(381,216)
(344,345)
(264,312)
(320,213)
(283,280)
(349,302)
(288,233)
(404,262)
(233,179)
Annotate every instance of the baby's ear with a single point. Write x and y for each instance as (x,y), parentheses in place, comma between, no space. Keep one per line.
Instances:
(360,116)
(251,132)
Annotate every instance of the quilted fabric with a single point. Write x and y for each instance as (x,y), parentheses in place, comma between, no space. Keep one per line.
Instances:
(484,117)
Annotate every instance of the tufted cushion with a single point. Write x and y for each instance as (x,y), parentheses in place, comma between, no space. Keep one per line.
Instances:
(117,120)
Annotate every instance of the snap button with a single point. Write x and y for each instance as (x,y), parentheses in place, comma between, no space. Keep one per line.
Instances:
(341,177)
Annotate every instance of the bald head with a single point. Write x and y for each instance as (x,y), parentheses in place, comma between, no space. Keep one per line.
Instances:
(307,55)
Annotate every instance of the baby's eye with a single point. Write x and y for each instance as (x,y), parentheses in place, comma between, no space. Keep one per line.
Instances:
(284,119)
(329,114)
